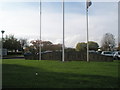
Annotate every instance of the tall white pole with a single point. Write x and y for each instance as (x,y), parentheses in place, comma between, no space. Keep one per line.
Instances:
(40,34)
(87,34)
(2,47)
(63,46)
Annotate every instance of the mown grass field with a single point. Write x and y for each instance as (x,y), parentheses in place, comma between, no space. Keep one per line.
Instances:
(55,74)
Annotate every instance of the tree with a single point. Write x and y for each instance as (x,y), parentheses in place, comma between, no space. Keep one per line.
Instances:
(93,45)
(108,42)
(81,47)
(55,47)
(11,43)
(45,45)
(118,47)
(69,50)
(24,43)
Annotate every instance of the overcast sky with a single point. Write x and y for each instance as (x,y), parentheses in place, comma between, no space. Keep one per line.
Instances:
(22,19)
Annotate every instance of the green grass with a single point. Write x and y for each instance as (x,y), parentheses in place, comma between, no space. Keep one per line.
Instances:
(55,74)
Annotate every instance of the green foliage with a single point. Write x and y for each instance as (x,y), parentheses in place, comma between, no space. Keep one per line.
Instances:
(93,45)
(69,50)
(45,46)
(81,46)
(11,43)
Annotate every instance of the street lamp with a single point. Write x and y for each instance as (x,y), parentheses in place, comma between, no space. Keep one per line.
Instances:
(2,32)
(2,42)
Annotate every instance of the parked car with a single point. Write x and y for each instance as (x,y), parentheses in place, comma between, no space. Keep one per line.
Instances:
(92,51)
(46,52)
(27,53)
(107,53)
(116,55)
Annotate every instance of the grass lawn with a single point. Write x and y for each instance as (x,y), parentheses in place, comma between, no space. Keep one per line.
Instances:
(55,74)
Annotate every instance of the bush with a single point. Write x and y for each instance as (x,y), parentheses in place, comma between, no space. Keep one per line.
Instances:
(14,53)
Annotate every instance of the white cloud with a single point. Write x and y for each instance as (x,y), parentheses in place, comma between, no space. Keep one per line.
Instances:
(57,0)
(99,25)
(26,23)
(20,23)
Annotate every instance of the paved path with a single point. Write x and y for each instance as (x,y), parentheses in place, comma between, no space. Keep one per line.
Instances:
(14,57)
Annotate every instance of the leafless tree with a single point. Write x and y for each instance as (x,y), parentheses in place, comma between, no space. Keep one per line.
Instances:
(108,42)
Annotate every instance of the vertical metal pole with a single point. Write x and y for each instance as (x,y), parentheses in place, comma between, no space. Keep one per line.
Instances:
(1,57)
(118,23)
(63,46)
(2,47)
(40,34)
(87,34)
